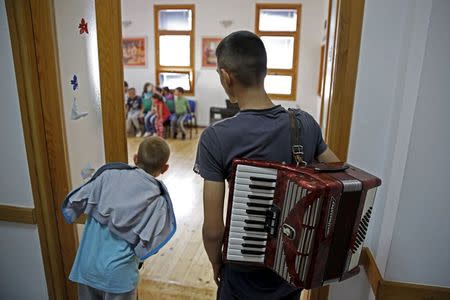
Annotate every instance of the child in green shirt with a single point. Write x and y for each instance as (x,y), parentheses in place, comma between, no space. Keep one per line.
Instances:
(182,111)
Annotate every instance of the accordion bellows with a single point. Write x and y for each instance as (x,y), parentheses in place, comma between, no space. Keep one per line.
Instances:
(307,224)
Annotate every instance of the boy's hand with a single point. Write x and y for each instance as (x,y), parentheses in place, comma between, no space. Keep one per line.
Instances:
(216,269)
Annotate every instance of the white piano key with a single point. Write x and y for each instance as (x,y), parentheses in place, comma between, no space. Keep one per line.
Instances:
(246,188)
(238,252)
(252,169)
(240,235)
(248,181)
(246,258)
(245,194)
(243,212)
(247,175)
(233,241)
(243,224)
(252,233)
(250,200)
(238,205)
(247,252)
(241,218)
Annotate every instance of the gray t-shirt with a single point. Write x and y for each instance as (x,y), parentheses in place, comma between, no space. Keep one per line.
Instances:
(255,134)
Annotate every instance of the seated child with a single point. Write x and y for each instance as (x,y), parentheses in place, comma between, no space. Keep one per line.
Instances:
(168,98)
(181,113)
(161,112)
(150,117)
(130,217)
(135,110)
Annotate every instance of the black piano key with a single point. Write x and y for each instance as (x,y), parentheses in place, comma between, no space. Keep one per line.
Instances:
(254,229)
(364,226)
(255,212)
(360,235)
(262,187)
(262,179)
(255,222)
(252,252)
(257,197)
(253,238)
(258,205)
(359,239)
(253,246)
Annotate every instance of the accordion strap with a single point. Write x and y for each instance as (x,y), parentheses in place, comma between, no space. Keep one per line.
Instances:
(296,147)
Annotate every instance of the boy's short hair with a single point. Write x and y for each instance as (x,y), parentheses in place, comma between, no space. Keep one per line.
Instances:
(180,89)
(166,89)
(243,54)
(153,154)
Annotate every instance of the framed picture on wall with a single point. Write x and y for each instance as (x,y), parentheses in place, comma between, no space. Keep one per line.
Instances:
(209,46)
(134,52)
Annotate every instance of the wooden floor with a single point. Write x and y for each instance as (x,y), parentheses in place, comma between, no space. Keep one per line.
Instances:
(181,270)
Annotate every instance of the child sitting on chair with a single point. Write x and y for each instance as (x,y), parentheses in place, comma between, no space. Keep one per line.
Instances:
(129,218)
(181,113)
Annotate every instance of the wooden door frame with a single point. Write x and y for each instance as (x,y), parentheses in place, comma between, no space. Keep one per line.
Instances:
(349,22)
(36,62)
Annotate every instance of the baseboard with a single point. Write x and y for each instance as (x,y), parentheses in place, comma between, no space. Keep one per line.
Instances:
(392,290)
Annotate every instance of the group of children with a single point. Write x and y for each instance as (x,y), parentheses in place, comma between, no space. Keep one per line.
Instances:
(155,108)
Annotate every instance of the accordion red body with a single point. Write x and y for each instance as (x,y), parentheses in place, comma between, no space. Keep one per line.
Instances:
(307,224)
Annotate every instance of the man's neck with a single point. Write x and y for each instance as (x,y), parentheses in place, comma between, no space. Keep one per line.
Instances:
(254,99)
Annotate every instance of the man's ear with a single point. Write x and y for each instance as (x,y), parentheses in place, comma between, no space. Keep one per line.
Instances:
(226,77)
(164,168)
(135,159)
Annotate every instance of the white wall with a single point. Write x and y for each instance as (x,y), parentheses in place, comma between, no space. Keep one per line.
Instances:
(20,260)
(400,112)
(208,15)
(78,54)
(420,244)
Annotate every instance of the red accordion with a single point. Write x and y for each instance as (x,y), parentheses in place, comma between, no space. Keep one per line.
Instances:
(307,224)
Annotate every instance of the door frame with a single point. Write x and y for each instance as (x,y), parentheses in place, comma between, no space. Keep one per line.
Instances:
(36,63)
(344,69)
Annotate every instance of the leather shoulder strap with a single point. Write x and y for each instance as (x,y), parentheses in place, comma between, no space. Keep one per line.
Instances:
(296,147)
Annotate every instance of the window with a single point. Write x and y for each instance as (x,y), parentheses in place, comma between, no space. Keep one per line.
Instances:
(174,44)
(278,25)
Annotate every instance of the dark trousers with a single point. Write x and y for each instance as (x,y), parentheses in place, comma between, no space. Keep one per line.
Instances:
(237,283)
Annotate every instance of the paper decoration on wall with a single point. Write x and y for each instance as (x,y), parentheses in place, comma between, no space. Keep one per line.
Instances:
(74,82)
(83,26)
(87,171)
(76,114)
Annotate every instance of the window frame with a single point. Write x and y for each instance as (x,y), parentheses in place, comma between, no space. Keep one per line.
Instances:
(175,69)
(293,72)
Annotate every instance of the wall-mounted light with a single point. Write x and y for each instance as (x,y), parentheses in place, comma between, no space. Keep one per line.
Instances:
(226,23)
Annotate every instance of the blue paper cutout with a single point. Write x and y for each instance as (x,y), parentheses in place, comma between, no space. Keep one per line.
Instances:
(74,82)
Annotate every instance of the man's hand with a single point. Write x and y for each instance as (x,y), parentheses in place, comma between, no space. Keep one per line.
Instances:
(213,226)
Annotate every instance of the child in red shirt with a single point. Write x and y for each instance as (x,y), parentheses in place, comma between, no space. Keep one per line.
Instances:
(162,113)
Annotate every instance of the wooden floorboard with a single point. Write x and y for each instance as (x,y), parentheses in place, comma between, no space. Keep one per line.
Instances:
(181,269)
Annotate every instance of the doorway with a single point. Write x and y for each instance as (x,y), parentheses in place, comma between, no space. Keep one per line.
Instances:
(103,102)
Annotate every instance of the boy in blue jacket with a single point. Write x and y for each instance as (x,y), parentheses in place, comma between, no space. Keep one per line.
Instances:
(130,217)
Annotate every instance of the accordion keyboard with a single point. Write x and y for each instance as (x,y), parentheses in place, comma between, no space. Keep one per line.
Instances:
(254,190)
